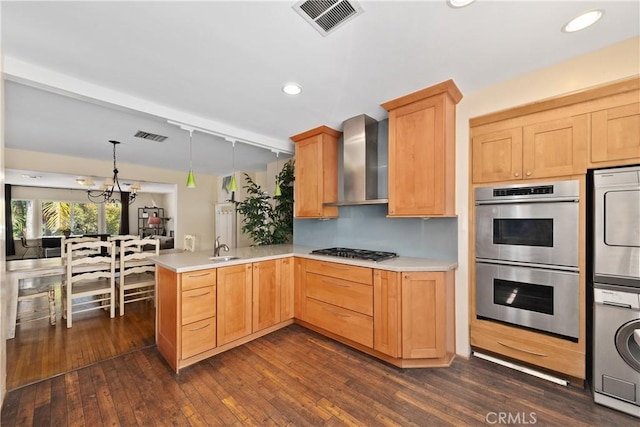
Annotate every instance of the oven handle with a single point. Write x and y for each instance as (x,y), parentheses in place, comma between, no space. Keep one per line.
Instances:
(530,264)
(520,201)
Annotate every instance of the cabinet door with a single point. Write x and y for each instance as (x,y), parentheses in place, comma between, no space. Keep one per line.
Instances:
(299,288)
(615,134)
(423,315)
(417,158)
(386,312)
(555,148)
(497,156)
(234,302)
(316,176)
(167,322)
(266,294)
(287,296)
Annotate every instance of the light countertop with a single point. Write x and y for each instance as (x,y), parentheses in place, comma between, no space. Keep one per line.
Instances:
(182,262)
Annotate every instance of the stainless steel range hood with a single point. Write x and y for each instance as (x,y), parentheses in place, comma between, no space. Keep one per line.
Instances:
(360,168)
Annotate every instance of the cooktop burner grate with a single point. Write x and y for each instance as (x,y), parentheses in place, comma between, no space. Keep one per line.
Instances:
(362,254)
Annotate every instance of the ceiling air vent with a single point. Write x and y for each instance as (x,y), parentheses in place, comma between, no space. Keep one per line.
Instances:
(152,136)
(327,15)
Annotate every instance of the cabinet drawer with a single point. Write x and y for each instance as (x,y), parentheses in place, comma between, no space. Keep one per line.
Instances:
(346,323)
(564,361)
(341,271)
(198,279)
(198,337)
(350,295)
(198,304)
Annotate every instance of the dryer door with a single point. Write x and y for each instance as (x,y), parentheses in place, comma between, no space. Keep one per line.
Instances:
(628,343)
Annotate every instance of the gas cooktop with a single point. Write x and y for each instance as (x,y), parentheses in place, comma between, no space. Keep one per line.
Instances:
(362,254)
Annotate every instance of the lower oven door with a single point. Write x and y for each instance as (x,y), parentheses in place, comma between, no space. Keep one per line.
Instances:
(538,298)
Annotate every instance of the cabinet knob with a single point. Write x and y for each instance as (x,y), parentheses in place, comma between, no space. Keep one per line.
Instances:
(517,174)
(528,173)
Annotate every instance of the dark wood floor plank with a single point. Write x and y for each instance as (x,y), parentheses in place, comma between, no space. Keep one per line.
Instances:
(297,378)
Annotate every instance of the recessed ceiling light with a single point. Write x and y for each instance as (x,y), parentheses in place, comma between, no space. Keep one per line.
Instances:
(292,88)
(583,21)
(459,3)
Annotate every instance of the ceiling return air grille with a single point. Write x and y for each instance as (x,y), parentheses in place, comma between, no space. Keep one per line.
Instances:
(151,136)
(327,15)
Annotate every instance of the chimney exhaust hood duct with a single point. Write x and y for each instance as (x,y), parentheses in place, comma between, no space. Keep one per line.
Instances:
(360,162)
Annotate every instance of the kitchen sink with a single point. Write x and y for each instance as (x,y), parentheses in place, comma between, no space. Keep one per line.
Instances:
(223,258)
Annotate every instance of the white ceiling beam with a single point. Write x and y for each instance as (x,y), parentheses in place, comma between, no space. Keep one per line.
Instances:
(43,78)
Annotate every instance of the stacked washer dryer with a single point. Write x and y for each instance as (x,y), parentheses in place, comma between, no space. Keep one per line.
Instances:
(616,322)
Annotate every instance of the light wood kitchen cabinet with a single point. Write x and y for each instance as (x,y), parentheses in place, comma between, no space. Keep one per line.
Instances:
(615,135)
(422,152)
(186,315)
(387,312)
(339,299)
(316,173)
(538,150)
(234,302)
(266,294)
(287,288)
(414,316)
(299,272)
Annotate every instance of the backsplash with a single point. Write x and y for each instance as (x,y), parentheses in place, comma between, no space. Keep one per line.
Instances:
(367,227)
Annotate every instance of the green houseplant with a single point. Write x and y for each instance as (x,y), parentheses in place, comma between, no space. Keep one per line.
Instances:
(268,220)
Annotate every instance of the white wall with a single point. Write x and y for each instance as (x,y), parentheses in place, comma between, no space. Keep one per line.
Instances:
(192,208)
(3,252)
(612,63)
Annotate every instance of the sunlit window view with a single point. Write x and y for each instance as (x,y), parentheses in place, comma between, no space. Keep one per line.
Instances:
(21,212)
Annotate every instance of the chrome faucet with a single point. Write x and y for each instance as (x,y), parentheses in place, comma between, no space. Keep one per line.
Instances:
(218,246)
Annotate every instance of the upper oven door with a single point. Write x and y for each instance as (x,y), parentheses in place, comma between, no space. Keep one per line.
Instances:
(617,226)
(532,232)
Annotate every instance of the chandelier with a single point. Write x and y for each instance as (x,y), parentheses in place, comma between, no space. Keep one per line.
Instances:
(111,185)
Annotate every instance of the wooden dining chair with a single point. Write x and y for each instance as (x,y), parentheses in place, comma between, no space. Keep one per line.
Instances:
(90,278)
(121,238)
(27,245)
(137,277)
(64,241)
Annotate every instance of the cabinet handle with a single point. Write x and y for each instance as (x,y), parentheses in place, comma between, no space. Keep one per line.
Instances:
(200,328)
(528,173)
(336,313)
(523,350)
(199,295)
(335,267)
(340,285)
(199,275)
(517,174)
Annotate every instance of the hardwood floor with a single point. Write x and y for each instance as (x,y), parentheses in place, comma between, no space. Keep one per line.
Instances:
(295,377)
(40,350)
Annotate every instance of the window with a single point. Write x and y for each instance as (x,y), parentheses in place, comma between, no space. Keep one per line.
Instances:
(79,218)
(21,216)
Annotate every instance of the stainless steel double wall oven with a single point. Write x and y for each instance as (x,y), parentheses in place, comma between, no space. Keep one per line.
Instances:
(527,240)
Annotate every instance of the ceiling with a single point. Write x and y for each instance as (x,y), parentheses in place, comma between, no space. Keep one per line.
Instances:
(82,73)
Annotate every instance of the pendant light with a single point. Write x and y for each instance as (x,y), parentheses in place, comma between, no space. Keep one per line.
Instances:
(233,186)
(191,179)
(277,191)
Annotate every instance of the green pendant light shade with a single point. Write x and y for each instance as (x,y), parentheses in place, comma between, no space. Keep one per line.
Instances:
(277,192)
(233,185)
(191,179)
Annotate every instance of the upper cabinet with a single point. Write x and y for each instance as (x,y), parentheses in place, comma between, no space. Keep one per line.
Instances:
(559,137)
(316,173)
(538,150)
(422,152)
(615,135)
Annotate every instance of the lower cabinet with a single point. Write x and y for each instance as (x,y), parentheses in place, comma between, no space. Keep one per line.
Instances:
(186,314)
(414,317)
(404,318)
(234,302)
